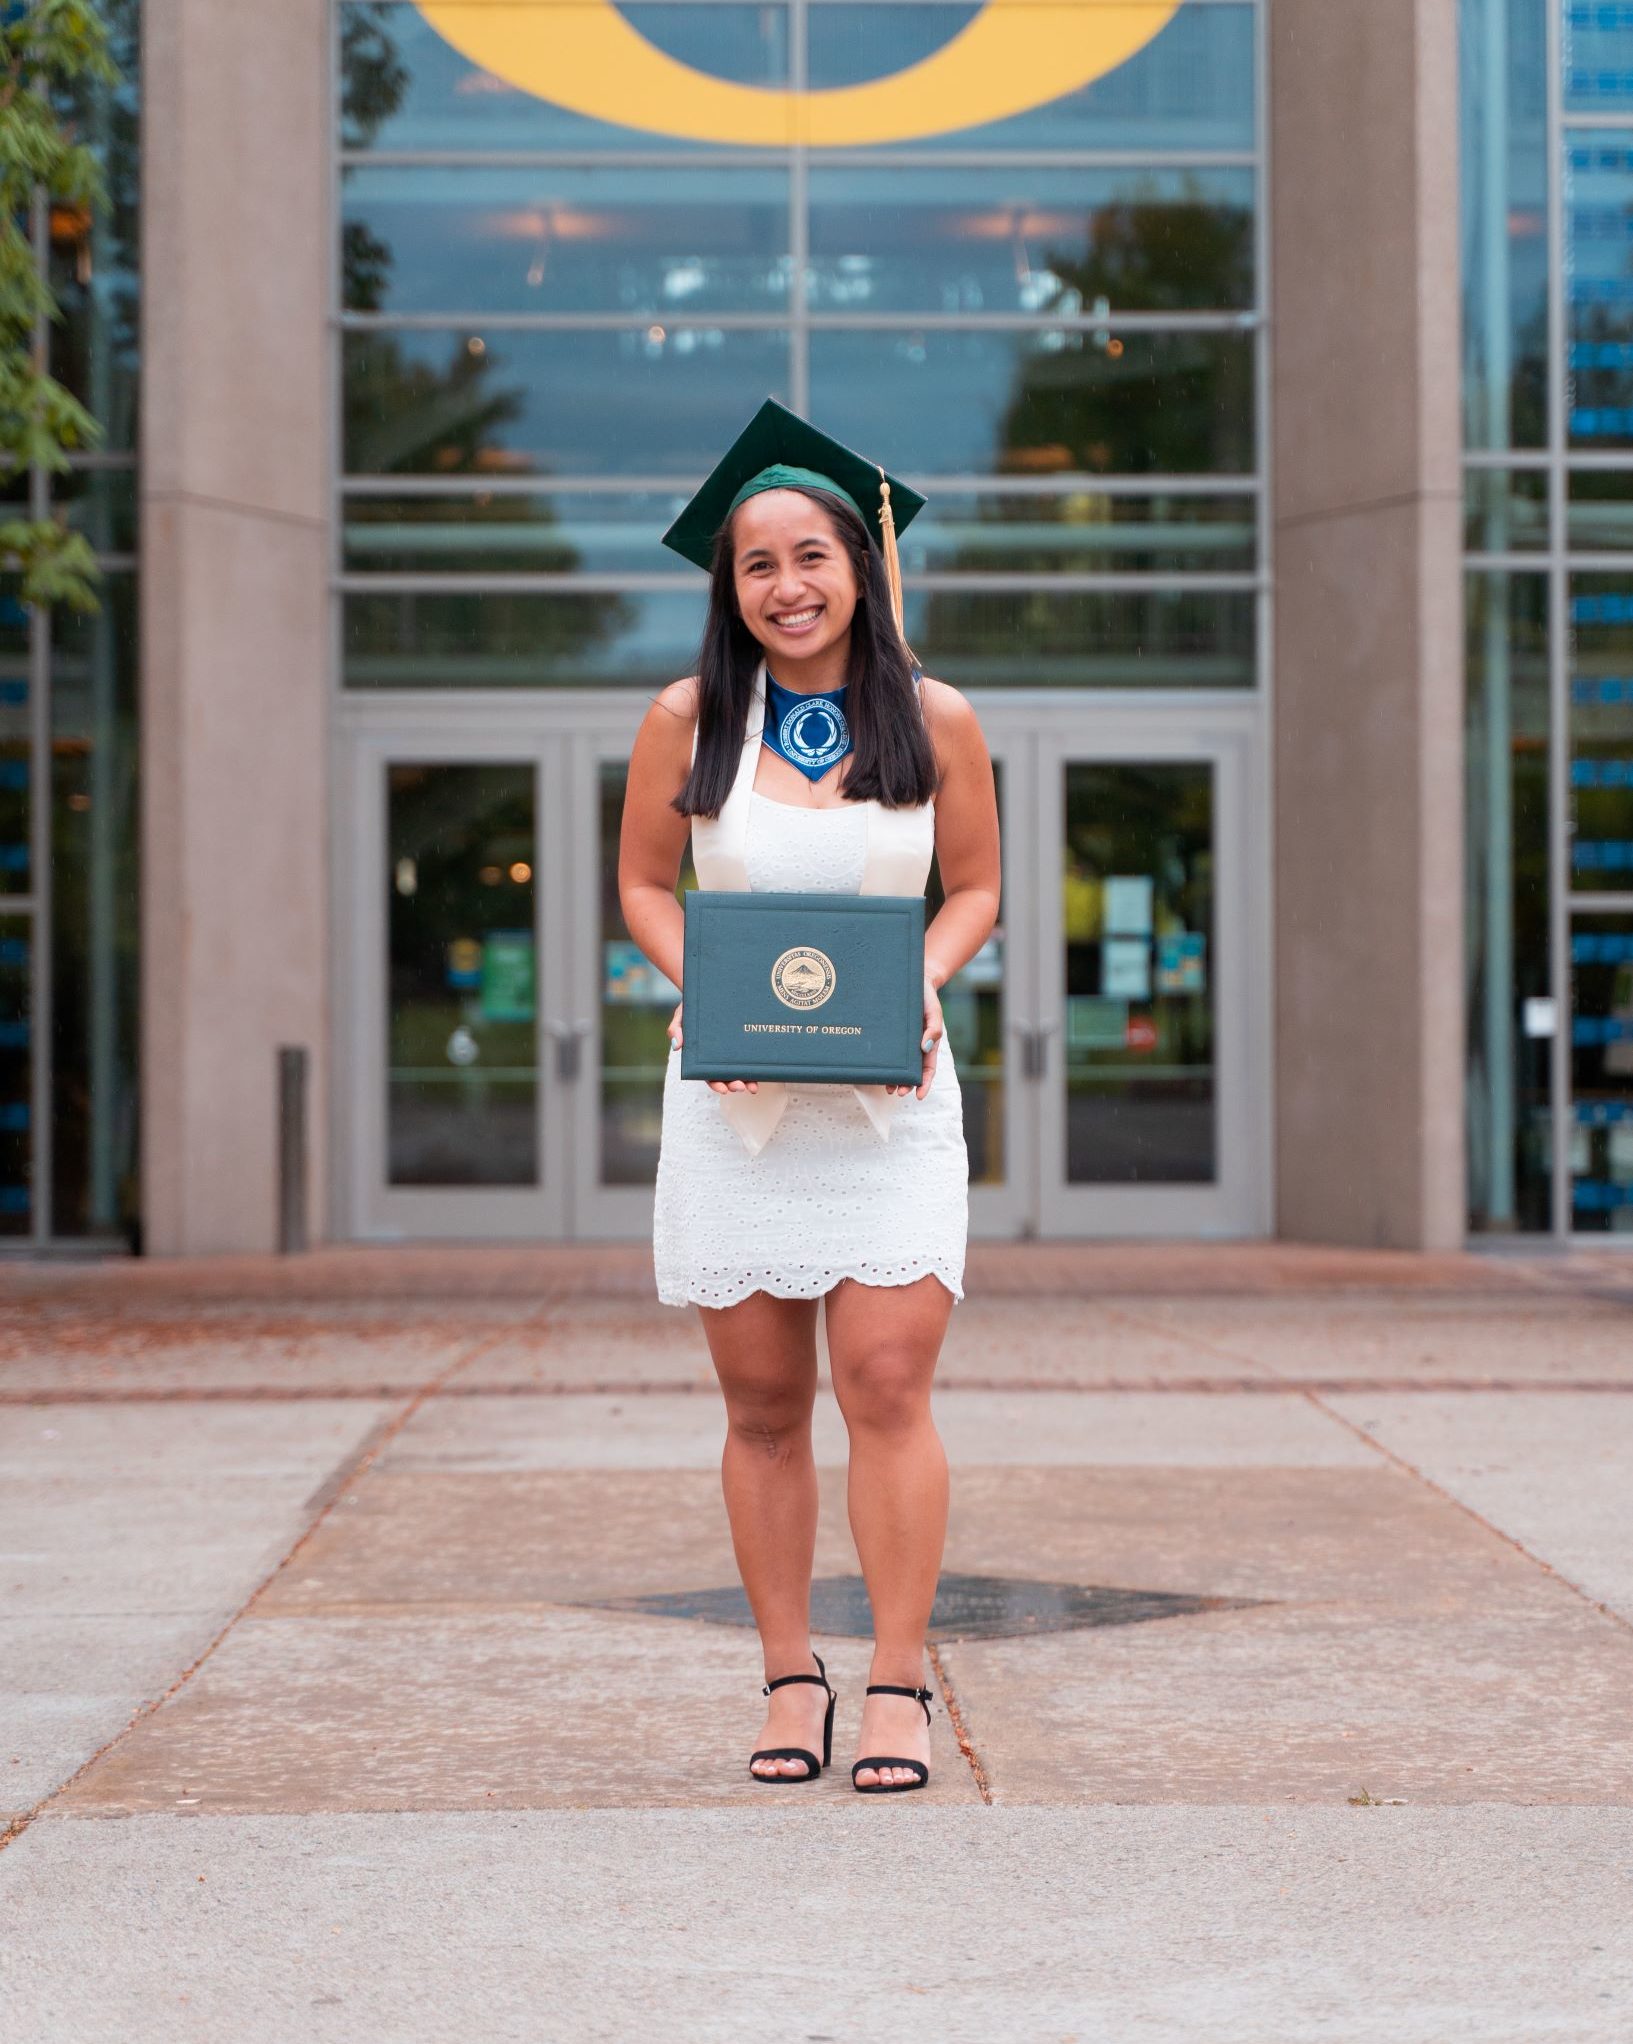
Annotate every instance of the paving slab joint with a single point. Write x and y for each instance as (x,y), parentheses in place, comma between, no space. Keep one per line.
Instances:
(318,1507)
(1408,1468)
(955,1717)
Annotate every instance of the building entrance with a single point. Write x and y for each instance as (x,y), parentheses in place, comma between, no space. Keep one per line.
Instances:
(503,1044)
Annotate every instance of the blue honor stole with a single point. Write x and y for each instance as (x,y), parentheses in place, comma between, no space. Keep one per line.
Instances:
(810,731)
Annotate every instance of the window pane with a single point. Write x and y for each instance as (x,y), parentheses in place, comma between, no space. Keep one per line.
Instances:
(636,1003)
(1190,87)
(1601,768)
(462,1027)
(404,87)
(1139,963)
(495,639)
(1033,240)
(95,906)
(1043,639)
(1599,511)
(580,240)
(1509,1089)
(1081,532)
(1505,223)
(973,1006)
(559,532)
(16,770)
(643,402)
(1598,59)
(1505,512)
(16,1077)
(95,259)
(1040,403)
(101,503)
(1599,282)
(1602,1074)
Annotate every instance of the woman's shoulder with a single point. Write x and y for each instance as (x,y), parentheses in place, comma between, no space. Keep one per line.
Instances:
(679,699)
(946,709)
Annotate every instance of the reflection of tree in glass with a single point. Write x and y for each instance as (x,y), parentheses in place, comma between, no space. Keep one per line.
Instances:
(1140,404)
(373,77)
(412,417)
(1163,404)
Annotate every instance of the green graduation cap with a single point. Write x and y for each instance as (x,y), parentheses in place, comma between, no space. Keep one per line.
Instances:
(776,450)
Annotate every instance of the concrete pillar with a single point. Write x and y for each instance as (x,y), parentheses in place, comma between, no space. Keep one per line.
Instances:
(1368,668)
(236,249)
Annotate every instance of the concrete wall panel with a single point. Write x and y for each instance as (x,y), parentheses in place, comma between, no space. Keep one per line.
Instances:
(234,534)
(1368,773)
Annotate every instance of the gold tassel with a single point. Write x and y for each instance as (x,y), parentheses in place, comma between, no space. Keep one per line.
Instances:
(893,561)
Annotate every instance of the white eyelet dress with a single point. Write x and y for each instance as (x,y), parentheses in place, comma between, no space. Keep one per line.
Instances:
(794,1188)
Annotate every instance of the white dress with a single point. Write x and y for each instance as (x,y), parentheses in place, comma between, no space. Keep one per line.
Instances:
(831,1194)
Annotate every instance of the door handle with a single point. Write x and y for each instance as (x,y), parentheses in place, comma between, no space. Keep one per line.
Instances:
(569,1041)
(1034,1047)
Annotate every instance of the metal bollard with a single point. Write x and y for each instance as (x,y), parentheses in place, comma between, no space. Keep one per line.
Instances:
(291,1148)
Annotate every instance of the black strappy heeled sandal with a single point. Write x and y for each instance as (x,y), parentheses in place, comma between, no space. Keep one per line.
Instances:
(882,1760)
(813,1766)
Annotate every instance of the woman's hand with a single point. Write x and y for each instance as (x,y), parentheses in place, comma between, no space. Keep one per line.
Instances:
(715,1085)
(935,1028)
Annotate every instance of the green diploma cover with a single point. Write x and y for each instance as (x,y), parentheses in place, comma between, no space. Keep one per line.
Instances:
(823,989)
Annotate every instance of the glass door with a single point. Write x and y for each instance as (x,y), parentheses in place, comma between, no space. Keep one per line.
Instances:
(1147,1051)
(456,921)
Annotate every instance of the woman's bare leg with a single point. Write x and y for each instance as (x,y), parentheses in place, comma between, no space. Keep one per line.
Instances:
(764,1352)
(883,1344)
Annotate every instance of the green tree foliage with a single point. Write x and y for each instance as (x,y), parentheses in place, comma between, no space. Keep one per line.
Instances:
(48,48)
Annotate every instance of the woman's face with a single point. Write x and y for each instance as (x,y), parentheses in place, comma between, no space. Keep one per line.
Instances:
(795,584)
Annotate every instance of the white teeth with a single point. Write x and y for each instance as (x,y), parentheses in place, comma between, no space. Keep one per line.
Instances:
(794,617)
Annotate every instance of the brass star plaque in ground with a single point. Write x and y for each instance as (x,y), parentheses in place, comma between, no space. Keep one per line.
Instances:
(967,1607)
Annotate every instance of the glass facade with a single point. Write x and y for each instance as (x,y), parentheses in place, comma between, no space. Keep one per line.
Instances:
(561,290)
(68,791)
(552,319)
(1548,387)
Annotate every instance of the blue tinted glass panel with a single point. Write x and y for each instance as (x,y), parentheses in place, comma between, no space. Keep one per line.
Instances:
(95,256)
(565,532)
(584,532)
(101,503)
(404,87)
(1599,286)
(1190,87)
(1601,760)
(15,764)
(1599,510)
(1042,638)
(1602,1075)
(1082,532)
(94,915)
(579,240)
(1039,403)
(16,1070)
(1504,223)
(1034,240)
(1506,751)
(656,401)
(1505,511)
(1597,54)
(495,639)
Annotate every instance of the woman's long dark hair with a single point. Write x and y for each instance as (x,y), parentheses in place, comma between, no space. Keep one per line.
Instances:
(892,760)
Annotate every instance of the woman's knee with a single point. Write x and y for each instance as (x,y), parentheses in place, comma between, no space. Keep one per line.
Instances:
(886,1390)
(770,1417)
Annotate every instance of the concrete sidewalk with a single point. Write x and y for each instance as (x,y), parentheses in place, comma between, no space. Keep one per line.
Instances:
(372,1664)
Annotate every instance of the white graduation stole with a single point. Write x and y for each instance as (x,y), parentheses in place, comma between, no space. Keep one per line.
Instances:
(900,843)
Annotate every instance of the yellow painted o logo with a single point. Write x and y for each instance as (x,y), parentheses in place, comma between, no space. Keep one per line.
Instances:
(1016,54)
